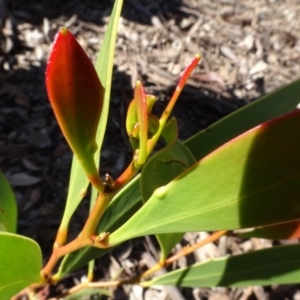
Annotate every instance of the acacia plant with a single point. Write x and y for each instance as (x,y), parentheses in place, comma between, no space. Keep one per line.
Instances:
(242,172)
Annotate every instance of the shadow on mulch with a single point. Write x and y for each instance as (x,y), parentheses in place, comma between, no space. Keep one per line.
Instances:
(93,10)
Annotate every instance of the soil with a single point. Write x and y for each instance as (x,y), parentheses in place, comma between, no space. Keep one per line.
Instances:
(249,48)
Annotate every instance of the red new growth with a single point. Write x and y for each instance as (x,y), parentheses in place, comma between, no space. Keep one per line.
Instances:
(76,96)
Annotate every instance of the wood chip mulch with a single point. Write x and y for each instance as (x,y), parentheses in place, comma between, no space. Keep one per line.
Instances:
(249,48)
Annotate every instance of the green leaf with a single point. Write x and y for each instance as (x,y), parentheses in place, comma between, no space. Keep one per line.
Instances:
(249,182)
(78,182)
(20,263)
(170,132)
(77,189)
(122,207)
(270,106)
(278,265)
(167,241)
(8,206)
(104,67)
(162,168)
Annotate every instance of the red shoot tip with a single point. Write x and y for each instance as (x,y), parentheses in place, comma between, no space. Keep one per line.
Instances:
(63,30)
(188,70)
(76,96)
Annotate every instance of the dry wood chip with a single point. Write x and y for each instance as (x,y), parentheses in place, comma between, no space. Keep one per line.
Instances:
(39,139)
(218,296)
(297,295)
(30,165)
(260,66)
(248,42)
(22,99)
(259,293)
(227,52)
(114,268)
(208,251)
(136,293)
(247,292)
(209,78)
(23,179)
(35,195)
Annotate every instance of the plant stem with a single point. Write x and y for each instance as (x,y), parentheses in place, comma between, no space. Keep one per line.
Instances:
(184,251)
(84,285)
(100,206)
(86,237)
(125,177)
(61,251)
(61,237)
(186,74)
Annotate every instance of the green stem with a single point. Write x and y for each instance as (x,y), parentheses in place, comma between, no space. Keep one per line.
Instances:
(100,206)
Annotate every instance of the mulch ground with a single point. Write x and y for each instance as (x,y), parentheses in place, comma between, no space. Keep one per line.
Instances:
(249,48)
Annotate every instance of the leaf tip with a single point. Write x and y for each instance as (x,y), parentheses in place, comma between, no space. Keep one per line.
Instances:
(63,31)
(198,56)
(138,84)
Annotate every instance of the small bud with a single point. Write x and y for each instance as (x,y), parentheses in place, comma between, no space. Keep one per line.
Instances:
(76,96)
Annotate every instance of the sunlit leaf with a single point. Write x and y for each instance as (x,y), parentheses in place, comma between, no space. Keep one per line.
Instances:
(270,106)
(104,68)
(20,263)
(278,265)
(250,181)
(162,168)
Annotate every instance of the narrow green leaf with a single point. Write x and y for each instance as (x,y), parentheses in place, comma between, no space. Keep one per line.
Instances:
(20,263)
(249,182)
(123,206)
(8,206)
(104,68)
(78,183)
(270,106)
(278,265)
